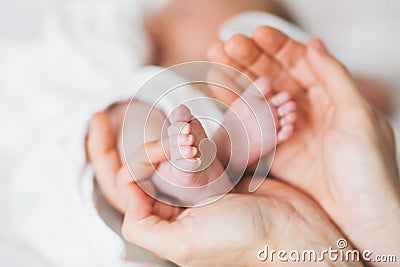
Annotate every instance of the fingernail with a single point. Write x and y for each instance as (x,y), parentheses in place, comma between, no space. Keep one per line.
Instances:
(190,138)
(194,150)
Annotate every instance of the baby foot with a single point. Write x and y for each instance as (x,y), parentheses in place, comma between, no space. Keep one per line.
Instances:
(249,118)
(193,155)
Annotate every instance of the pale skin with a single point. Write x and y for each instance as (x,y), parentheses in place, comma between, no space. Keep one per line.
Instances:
(330,108)
(185,166)
(188,237)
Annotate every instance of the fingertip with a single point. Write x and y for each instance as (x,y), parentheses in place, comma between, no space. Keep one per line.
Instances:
(262,31)
(97,121)
(269,39)
(215,51)
(193,151)
(285,133)
(317,45)
(332,74)
(100,136)
(155,152)
(241,47)
(322,62)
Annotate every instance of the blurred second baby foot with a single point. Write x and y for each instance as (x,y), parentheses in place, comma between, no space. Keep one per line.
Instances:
(256,122)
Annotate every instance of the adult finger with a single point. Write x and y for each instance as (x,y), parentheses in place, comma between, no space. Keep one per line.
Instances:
(245,51)
(289,53)
(145,226)
(102,152)
(145,160)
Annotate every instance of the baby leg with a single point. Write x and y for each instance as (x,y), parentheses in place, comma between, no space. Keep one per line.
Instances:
(253,124)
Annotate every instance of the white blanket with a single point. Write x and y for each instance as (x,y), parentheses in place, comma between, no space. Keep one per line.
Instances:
(60,63)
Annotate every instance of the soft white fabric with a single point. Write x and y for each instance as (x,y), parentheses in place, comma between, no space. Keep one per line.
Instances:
(73,59)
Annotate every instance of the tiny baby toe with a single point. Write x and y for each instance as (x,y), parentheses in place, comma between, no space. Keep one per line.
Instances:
(288,119)
(242,49)
(285,132)
(187,152)
(217,53)
(181,140)
(287,108)
(183,152)
(179,128)
(280,99)
(180,114)
(185,140)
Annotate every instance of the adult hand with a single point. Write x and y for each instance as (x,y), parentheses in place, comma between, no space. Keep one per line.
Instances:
(342,152)
(229,232)
(114,179)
